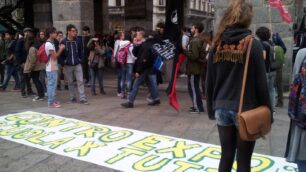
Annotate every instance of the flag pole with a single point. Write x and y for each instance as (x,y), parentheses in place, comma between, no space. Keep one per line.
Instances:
(270,17)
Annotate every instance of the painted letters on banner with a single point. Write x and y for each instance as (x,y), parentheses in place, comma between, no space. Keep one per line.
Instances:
(120,148)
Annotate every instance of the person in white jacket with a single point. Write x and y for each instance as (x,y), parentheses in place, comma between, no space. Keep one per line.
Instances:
(120,43)
(127,72)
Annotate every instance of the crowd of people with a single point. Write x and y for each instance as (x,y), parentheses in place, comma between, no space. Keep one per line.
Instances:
(213,66)
(78,61)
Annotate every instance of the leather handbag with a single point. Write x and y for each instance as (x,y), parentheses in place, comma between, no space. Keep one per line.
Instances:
(254,123)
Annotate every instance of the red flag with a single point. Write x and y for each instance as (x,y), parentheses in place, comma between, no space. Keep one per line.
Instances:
(275,3)
(282,10)
(172,95)
(174,16)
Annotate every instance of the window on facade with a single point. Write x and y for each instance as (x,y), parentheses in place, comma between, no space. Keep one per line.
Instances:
(112,3)
(191,2)
(118,3)
(162,3)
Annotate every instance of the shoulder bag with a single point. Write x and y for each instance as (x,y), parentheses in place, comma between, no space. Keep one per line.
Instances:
(254,123)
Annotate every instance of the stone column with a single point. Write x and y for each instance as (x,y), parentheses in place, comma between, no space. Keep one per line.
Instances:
(77,12)
(105,23)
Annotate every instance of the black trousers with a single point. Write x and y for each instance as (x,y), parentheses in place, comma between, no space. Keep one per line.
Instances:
(86,74)
(279,86)
(195,92)
(25,83)
(38,84)
(2,72)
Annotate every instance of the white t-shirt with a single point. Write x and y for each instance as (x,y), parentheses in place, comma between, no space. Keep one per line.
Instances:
(130,56)
(185,40)
(51,65)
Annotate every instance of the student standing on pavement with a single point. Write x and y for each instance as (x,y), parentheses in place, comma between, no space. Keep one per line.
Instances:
(33,67)
(42,76)
(143,70)
(120,43)
(186,33)
(224,81)
(73,57)
(194,68)
(264,34)
(207,41)
(296,142)
(21,56)
(2,47)
(96,64)
(52,66)
(86,36)
(60,61)
(9,61)
(279,55)
(127,71)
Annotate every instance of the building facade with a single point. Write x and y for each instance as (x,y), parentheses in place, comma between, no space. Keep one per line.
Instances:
(105,16)
(125,14)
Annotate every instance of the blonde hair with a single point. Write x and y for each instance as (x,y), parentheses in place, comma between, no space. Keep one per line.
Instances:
(239,14)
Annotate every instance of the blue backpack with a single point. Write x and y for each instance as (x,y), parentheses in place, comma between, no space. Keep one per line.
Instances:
(297,98)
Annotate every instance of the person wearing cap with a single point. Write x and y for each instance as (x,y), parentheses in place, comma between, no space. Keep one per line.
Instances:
(21,57)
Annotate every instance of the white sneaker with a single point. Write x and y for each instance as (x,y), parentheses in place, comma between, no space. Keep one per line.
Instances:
(37,99)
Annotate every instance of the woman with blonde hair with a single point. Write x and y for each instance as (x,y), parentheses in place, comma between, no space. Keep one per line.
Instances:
(224,83)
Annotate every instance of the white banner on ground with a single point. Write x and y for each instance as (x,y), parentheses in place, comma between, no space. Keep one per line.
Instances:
(120,148)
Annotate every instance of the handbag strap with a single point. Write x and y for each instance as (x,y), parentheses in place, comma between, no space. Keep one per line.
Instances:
(245,73)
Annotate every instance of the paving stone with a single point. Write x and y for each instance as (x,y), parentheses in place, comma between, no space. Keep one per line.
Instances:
(50,164)
(26,161)
(74,166)
(17,152)
(5,144)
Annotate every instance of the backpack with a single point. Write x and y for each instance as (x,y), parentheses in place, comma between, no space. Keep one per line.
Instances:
(204,52)
(279,55)
(122,54)
(274,65)
(42,56)
(297,98)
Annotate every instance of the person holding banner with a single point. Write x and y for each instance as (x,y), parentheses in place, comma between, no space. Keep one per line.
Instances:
(224,81)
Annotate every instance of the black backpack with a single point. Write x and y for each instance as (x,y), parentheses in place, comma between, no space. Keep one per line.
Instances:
(274,65)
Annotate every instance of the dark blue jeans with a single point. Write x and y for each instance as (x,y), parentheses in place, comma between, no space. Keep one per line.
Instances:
(10,70)
(194,92)
(126,77)
(96,73)
(1,73)
(119,73)
(42,78)
(152,84)
(301,165)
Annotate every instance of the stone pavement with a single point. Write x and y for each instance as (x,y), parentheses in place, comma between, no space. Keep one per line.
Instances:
(106,110)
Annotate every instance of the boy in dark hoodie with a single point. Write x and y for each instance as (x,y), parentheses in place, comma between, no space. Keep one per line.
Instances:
(73,56)
(143,70)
